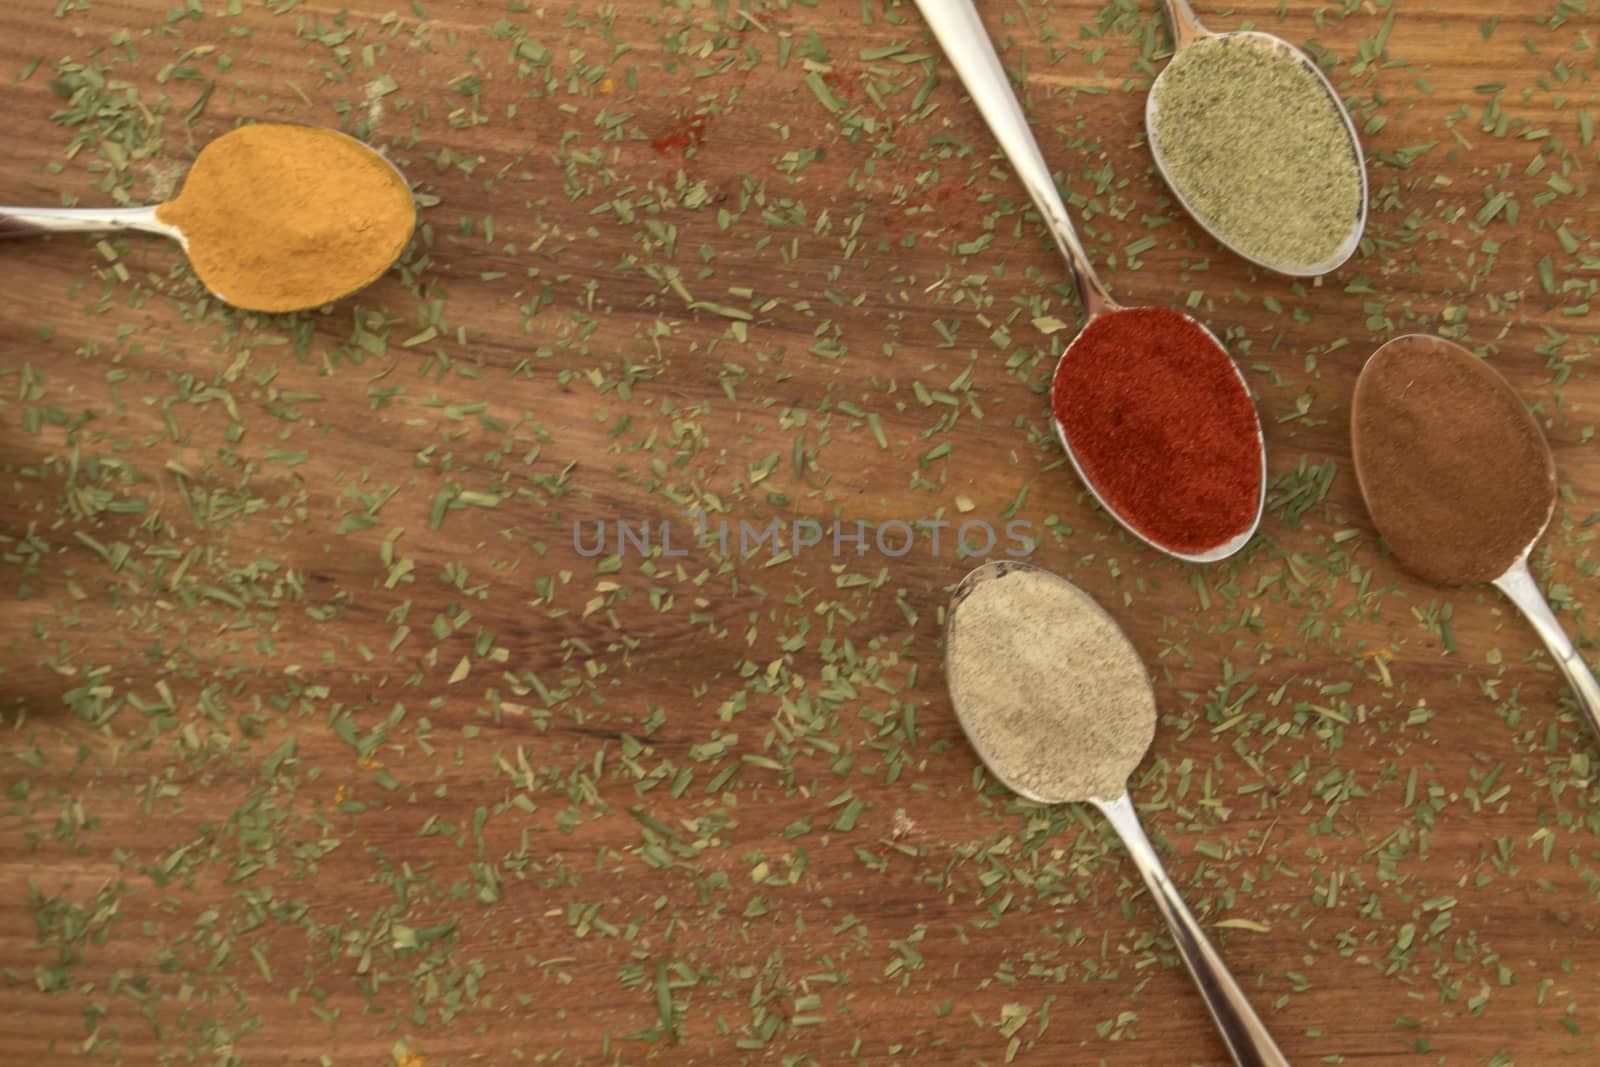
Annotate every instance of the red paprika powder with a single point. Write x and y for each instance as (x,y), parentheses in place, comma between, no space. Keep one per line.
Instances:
(1162,427)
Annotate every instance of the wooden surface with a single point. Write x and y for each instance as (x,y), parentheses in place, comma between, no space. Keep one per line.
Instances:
(309,757)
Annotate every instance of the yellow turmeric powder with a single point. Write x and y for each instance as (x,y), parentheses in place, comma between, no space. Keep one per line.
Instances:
(280,218)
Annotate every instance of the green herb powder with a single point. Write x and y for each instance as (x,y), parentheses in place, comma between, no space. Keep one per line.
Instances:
(1257,149)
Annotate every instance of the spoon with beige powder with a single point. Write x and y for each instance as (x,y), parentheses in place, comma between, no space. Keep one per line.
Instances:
(1459,481)
(1056,701)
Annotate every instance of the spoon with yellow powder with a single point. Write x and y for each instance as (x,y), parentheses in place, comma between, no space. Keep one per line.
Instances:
(273,217)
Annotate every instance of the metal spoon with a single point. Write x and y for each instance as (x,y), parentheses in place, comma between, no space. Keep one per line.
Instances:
(1517,581)
(962,36)
(1186,29)
(1246,1036)
(34,221)
(31,221)
(1517,584)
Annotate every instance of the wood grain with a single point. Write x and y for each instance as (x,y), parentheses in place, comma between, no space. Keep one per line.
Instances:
(740,784)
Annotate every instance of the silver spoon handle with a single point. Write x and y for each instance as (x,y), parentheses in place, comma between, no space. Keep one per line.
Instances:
(1242,1029)
(31,221)
(961,34)
(1186,28)
(1518,584)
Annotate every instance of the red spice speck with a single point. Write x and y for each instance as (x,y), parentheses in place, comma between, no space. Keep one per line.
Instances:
(1162,427)
(682,137)
(845,81)
(952,208)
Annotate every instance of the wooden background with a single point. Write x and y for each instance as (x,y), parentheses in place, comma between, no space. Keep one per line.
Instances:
(324,743)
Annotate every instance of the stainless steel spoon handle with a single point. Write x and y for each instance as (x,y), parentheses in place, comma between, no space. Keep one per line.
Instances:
(1242,1029)
(1186,28)
(31,221)
(1518,584)
(961,34)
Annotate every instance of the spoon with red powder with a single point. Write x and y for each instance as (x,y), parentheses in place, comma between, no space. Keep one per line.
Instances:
(1152,412)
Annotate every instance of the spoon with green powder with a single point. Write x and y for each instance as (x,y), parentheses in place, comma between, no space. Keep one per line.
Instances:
(1256,144)
(1057,703)
(1459,480)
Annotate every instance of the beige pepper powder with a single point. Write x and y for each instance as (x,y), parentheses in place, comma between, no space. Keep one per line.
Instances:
(1049,689)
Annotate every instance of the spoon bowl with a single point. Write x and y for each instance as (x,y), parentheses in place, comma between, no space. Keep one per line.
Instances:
(1209,555)
(1187,30)
(1019,626)
(961,33)
(205,250)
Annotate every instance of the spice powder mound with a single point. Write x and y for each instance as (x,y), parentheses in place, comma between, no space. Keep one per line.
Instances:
(1454,470)
(280,217)
(1258,150)
(1050,691)
(1162,427)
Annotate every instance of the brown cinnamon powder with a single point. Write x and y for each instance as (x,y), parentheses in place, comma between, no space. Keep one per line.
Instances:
(1455,472)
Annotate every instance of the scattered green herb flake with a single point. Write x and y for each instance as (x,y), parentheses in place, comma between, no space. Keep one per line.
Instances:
(301,647)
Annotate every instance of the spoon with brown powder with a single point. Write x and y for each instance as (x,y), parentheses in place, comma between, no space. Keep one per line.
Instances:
(1056,701)
(274,217)
(1459,481)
